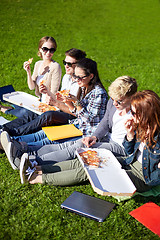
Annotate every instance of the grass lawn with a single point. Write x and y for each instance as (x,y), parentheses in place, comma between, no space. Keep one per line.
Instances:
(123,37)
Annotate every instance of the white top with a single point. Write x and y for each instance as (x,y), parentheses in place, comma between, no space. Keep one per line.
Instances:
(140,152)
(69,84)
(39,79)
(118,128)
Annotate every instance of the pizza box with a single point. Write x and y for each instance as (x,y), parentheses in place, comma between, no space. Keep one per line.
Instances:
(109,179)
(25,100)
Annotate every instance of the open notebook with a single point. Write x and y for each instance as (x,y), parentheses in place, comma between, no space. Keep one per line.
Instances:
(60,132)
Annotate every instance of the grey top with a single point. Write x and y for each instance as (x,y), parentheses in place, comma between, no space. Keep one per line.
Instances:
(105,125)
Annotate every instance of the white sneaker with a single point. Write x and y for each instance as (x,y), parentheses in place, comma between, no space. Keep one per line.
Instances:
(26,170)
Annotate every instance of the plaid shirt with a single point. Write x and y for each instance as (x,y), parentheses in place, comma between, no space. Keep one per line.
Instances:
(93,110)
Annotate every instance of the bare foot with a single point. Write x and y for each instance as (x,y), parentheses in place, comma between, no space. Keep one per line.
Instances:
(5,108)
(35,178)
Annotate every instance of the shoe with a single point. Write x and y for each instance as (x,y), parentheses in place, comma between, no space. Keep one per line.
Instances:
(5,108)
(5,139)
(11,155)
(26,170)
(1,148)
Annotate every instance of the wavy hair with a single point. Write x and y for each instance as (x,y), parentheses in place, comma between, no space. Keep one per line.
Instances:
(147,106)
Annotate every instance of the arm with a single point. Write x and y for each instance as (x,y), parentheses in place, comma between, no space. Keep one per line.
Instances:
(31,83)
(130,138)
(91,108)
(105,124)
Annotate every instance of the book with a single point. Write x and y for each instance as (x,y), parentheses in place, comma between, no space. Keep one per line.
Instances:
(61,132)
(149,215)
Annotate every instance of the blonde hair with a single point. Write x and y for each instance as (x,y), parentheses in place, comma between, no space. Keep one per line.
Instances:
(43,40)
(123,86)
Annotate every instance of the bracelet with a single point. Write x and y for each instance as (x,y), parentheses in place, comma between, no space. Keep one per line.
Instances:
(77,103)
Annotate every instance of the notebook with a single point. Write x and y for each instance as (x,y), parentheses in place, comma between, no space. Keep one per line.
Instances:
(149,215)
(88,206)
(60,132)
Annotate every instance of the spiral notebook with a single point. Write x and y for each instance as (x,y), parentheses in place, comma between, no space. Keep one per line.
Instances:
(88,206)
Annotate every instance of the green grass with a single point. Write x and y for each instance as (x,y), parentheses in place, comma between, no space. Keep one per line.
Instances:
(123,37)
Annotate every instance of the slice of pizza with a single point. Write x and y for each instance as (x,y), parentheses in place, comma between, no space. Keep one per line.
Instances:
(43,107)
(64,93)
(30,60)
(90,158)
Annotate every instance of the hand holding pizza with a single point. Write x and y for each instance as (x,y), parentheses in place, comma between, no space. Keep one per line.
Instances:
(26,65)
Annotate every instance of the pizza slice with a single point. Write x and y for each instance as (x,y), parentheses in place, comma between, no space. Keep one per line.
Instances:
(30,60)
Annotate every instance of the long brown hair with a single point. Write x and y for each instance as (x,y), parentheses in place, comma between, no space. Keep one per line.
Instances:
(147,105)
(89,66)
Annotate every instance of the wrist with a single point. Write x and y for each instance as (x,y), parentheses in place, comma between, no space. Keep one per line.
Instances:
(129,137)
(77,103)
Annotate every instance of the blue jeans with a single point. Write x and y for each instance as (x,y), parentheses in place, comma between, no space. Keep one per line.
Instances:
(31,122)
(39,139)
(18,111)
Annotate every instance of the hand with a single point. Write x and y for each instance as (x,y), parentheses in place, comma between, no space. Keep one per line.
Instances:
(59,97)
(159,165)
(130,128)
(89,141)
(26,66)
(43,89)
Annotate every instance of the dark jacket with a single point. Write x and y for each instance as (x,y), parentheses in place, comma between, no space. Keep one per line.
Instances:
(150,159)
(105,125)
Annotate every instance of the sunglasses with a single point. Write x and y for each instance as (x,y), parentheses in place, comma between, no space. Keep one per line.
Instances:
(68,63)
(51,50)
(118,101)
(77,78)
(132,112)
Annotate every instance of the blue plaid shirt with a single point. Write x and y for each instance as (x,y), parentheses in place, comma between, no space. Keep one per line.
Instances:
(93,110)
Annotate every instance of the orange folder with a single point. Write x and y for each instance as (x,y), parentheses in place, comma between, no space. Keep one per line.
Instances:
(149,215)
(61,132)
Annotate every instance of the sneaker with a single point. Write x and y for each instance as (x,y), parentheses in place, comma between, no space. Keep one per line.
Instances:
(5,139)
(14,153)
(12,158)
(1,148)
(26,170)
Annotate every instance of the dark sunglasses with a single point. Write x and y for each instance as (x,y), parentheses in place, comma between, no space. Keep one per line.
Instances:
(132,112)
(118,101)
(51,50)
(68,63)
(77,78)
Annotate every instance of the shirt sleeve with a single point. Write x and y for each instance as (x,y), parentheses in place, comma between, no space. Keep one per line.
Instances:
(103,127)
(91,105)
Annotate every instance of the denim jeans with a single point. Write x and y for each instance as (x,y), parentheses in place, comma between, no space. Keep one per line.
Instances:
(31,122)
(18,111)
(36,140)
